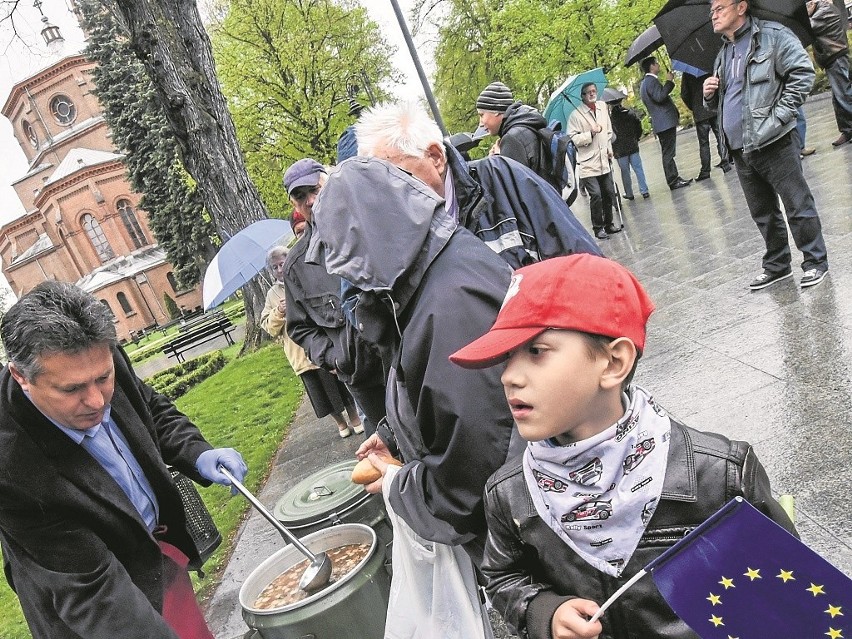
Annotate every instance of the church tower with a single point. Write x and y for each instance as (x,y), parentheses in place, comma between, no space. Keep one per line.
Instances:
(82,222)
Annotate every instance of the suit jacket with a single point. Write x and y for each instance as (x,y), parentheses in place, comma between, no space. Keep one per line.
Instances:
(655,96)
(75,549)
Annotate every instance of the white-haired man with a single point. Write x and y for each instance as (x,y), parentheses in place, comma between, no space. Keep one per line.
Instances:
(510,208)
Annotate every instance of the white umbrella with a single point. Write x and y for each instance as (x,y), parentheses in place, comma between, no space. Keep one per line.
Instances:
(241,258)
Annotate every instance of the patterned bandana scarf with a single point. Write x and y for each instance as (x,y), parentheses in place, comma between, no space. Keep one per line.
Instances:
(598,494)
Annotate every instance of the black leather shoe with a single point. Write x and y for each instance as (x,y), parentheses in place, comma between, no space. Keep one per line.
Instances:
(628,197)
(612,229)
(601,234)
(726,167)
(680,184)
(702,176)
(645,196)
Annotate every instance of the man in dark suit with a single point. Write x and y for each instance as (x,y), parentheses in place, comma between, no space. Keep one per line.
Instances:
(92,527)
(664,118)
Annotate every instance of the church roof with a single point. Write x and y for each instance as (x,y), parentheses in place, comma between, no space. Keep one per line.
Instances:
(43,243)
(78,159)
(122,267)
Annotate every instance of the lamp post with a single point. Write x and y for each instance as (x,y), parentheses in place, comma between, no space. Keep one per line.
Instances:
(430,97)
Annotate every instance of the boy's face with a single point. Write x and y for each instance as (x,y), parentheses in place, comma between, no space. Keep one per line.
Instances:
(553,386)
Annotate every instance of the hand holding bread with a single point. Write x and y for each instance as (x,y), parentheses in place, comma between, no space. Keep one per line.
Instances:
(366,473)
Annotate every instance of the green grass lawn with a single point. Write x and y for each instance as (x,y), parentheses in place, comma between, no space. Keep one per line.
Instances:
(248,405)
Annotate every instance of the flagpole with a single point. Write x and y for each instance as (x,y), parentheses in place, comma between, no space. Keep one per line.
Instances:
(617,594)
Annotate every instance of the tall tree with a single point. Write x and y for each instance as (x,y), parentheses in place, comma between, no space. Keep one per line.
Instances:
(139,129)
(170,40)
(287,67)
(531,45)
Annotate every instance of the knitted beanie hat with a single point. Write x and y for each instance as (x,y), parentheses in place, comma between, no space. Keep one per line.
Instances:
(495,97)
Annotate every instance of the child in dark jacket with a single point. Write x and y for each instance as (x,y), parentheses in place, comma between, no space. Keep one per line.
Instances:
(608,480)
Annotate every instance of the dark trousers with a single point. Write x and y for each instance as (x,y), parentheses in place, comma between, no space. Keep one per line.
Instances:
(668,144)
(767,174)
(702,131)
(601,192)
(371,400)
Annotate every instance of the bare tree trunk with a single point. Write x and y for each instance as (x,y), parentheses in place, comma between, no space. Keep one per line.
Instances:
(170,40)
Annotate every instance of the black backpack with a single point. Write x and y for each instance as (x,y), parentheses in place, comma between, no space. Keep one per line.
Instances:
(561,158)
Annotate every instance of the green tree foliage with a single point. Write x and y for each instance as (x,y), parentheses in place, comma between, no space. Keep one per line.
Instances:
(140,130)
(531,45)
(171,306)
(285,67)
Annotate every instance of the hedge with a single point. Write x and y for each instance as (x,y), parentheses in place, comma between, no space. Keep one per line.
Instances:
(175,381)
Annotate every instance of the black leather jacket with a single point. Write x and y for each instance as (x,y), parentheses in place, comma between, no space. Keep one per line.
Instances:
(531,571)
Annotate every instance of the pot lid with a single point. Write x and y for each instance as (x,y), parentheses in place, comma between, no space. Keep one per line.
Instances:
(325,491)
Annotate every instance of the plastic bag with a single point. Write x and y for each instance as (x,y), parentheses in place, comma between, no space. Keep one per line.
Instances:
(433,590)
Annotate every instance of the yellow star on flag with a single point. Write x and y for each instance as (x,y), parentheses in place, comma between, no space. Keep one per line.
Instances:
(716,599)
(786,575)
(752,573)
(716,621)
(815,590)
(727,582)
(834,634)
(833,611)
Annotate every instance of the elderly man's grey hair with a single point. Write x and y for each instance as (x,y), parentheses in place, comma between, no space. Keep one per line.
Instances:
(275,253)
(54,317)
(403,126)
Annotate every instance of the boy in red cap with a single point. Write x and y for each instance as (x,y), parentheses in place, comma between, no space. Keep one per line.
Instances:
(608,480)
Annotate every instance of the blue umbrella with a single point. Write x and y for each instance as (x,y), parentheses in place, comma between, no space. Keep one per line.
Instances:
(241,258)
(567,97)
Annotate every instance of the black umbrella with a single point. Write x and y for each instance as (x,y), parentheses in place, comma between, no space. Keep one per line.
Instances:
(644,45)
(688,34)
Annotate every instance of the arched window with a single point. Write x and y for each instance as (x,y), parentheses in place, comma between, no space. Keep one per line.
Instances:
(29,131)
(171,277)
(96,236)
(131,223)
(63,110)
(125,305)
(108,307)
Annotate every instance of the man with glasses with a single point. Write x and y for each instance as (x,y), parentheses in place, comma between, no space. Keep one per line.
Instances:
(591,131)
(314,314)
(664,118)
(760,78)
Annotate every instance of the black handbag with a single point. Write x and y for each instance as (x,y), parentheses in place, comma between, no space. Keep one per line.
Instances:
(199,523)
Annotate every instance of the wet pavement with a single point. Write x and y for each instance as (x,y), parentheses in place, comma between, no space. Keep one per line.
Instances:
(772,367)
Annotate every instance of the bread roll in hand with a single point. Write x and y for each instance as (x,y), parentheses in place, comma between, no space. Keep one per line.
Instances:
(365,473)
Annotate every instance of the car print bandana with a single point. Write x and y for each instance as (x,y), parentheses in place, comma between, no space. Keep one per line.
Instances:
(599,493)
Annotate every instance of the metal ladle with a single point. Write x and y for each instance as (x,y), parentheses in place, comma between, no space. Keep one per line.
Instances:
(317,574)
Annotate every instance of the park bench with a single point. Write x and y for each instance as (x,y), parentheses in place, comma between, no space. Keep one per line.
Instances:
(200,332)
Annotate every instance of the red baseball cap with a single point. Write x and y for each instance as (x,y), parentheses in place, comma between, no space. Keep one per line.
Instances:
(580,292)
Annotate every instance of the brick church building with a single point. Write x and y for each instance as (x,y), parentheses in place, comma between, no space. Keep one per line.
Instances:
(82,222)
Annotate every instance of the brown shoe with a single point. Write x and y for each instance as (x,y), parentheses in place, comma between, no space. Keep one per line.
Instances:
(843,139)
(806,151)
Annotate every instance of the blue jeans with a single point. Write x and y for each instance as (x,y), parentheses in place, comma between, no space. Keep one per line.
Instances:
(625,163)
(767,174)
(841,93)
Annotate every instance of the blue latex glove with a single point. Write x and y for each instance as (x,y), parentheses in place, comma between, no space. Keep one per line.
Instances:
(209,461)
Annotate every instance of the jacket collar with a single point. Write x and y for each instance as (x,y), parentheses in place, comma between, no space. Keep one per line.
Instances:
(681,481)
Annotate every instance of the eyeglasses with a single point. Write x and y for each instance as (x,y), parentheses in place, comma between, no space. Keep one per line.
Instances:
(301,194)
(720,8)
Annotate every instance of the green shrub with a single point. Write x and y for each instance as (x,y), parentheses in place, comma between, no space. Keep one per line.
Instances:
(171,306)
(174,382)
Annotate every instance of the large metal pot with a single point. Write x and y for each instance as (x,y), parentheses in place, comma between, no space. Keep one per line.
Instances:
(328,498)
(353,606)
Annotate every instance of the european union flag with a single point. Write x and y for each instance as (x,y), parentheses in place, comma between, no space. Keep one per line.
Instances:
(741,576)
